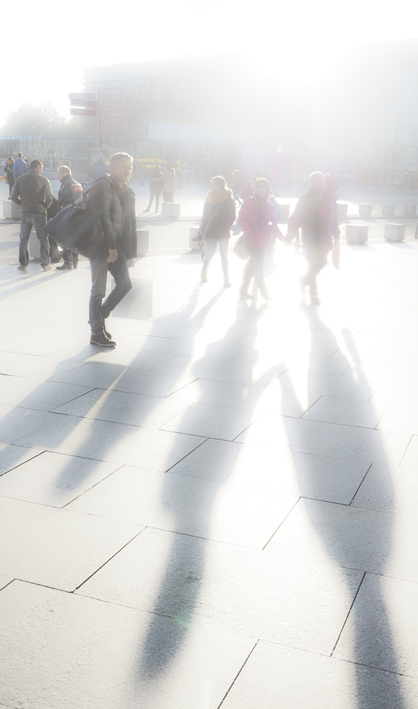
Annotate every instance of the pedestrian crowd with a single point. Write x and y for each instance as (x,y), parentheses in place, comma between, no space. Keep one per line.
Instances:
(106,218)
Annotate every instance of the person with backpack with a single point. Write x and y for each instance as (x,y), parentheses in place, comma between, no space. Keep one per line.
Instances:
(69,192)
(111,203)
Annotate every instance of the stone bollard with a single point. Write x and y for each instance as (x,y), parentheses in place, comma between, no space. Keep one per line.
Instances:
(410,210)
(11,210)
(365,210)
(388,210)
(394,232)
(137,304)
(342,210)
(356,233)
(142,242)
(194,245)
(171,210)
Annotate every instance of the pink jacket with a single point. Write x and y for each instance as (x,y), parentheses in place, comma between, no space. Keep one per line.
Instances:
(258,221)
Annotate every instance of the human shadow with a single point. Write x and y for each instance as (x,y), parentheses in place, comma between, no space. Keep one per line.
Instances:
(191,497)
(346,532)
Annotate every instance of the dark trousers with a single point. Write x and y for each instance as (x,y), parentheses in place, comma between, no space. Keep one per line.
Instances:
(27,221)
(168,196)
(99,310)
(157,201)
(254,269)
(70,258)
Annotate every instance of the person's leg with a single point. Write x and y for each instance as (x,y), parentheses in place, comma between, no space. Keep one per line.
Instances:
(151,197)
(316,261)
(157,200)
(99,269)
(39,221)
(171,197)
(210,252)
(166,196)
(223,250)
(120,272)
(25,229)
(259,273)
(248,273)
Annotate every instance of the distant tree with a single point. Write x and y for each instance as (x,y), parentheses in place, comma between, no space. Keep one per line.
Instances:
(40,120)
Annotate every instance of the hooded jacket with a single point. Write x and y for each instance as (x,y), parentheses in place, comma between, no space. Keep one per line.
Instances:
(218,215)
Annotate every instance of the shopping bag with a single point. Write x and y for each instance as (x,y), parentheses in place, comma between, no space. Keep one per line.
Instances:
(242,248)
(137,304)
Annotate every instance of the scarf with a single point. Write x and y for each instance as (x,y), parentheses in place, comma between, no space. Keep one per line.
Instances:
(218,197)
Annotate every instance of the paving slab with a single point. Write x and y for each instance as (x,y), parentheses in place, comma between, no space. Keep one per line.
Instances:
(57,548)
(276,676)
(12,456)
(300,605)
(95,654)
(52,478)
(381,631)
(291,473)
(196,506)
(112,442)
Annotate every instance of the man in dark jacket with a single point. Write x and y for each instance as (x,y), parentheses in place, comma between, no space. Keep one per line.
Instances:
(69,192)
(316,214)
(32,192)
(112,202)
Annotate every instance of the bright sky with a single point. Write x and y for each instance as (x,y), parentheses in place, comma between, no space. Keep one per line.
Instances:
(51,43)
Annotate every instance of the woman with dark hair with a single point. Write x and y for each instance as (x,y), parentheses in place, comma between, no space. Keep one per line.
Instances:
(258,221)
(218,217)
(8,173)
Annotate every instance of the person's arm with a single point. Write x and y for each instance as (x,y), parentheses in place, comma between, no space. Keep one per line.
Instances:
(15,195)
(48,196)
(294,223)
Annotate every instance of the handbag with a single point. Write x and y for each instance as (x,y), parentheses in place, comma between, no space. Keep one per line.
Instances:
(77,229)
(242,248)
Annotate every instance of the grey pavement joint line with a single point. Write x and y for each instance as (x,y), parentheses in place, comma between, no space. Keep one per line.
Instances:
(361,483)
(23,462)
(309,407)
(283,520)
(238,674)
(107,561)
(93,486)
(348,614)
(186,456)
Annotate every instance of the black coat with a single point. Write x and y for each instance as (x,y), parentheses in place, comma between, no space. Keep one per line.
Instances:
(218,219)
(69,191)
(114,208)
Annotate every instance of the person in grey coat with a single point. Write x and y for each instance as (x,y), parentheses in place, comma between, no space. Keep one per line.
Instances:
(33,193)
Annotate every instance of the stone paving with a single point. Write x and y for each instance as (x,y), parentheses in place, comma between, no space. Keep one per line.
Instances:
(220,513)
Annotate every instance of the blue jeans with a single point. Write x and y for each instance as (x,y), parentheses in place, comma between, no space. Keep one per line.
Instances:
(99,311)
(27,221)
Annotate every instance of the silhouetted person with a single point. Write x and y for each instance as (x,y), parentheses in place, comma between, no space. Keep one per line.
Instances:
(316,214)
(155,188)
(218,217)
(69,192)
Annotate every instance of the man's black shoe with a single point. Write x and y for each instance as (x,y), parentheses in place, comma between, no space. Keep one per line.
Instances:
(108,335)
(64,267)
(102,341)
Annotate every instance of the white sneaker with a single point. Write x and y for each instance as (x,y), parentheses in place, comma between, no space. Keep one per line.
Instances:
(204,276)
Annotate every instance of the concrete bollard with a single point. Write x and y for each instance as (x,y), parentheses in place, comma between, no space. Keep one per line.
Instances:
(137,304)
(11,210)
(394,232)
(365,210)
(194,245)
(410,210)
(342,210)
(356,233)
(142,242)
(171,210)
(388,210)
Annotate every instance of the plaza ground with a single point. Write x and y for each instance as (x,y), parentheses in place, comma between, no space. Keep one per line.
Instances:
(220,513)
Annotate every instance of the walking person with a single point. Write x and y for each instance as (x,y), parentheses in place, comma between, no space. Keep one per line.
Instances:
(155,188)
(69,192)
(33,193)
(170,184)
(20,166)
(218,217)
(112,203)
(8,174)
(258,222)
(316,214)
